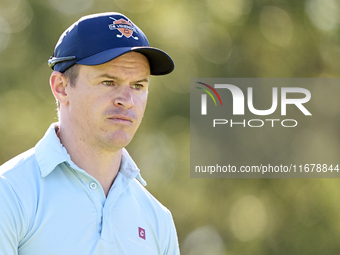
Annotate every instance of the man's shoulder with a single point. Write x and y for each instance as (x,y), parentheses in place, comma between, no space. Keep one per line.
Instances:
(19,164)
(18,179)
(148,200)
(158,216)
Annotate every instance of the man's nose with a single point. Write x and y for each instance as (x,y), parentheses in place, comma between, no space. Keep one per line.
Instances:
(123,97)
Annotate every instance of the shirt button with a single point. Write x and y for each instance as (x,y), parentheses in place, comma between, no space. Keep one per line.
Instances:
(93,185)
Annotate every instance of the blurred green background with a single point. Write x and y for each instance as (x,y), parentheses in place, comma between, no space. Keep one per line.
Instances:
(206,38)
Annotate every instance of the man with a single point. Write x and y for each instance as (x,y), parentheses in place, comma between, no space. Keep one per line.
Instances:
(78,191)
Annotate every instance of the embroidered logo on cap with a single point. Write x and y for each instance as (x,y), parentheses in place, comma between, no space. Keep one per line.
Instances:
(123,26)
(141,232)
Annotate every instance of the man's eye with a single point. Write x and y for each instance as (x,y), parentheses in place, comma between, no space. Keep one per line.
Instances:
(108,83)
(138,86)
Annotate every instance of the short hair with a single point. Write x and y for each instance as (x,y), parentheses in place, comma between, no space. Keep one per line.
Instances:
(71,74)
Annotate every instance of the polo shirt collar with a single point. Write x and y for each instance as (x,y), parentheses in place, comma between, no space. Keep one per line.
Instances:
(129,168)
(50,153)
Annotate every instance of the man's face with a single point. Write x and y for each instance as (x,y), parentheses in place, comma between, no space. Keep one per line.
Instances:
(107,102)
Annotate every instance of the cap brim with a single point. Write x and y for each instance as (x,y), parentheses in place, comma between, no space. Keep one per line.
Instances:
(159,61)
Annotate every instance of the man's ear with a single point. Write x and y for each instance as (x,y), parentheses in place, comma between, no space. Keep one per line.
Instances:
(59,86)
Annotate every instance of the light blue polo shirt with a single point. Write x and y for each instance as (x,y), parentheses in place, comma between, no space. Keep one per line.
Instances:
(48,205)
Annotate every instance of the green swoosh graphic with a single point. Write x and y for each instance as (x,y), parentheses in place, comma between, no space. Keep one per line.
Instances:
(208,94)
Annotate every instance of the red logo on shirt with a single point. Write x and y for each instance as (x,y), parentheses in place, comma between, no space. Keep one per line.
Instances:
(141,232)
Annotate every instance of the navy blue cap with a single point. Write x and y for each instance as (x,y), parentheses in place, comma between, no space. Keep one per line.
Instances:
(98,38)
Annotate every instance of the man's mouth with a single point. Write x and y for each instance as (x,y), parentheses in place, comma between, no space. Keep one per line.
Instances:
(121,119)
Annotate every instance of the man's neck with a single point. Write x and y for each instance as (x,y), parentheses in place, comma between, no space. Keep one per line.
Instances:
(101,165)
